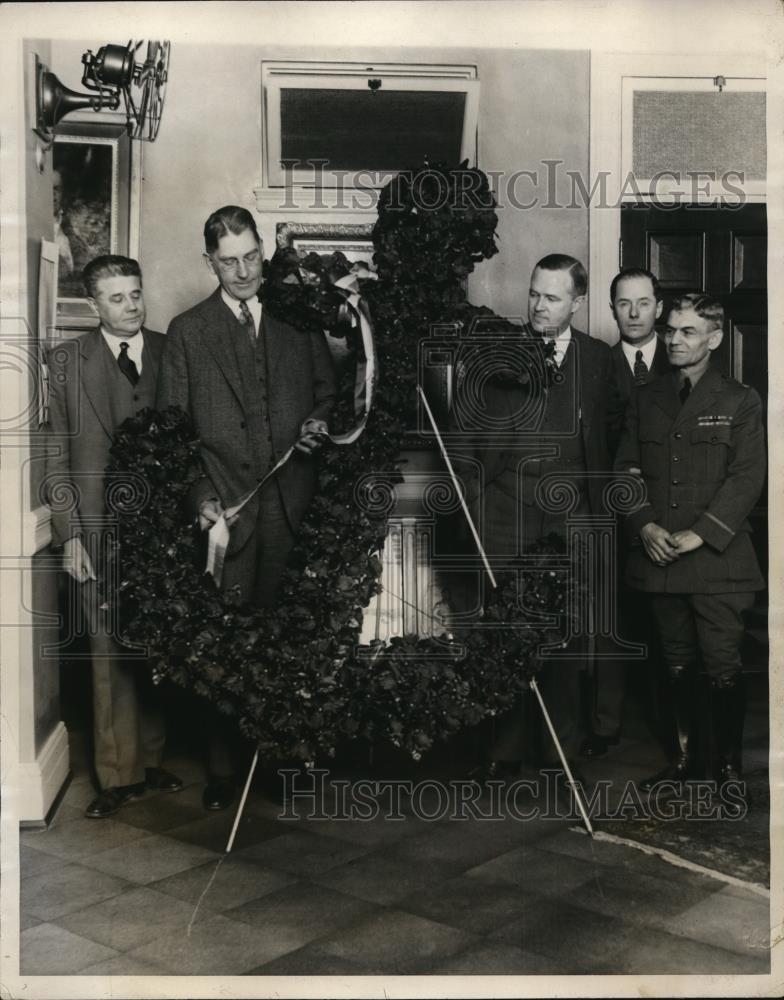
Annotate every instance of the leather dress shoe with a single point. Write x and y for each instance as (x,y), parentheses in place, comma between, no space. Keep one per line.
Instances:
(112,799)
(219,793)
(680,770)
(160,780)
(733,792)
(595,745)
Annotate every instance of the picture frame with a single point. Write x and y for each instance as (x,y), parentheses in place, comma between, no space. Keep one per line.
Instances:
(95,188)
(352,239)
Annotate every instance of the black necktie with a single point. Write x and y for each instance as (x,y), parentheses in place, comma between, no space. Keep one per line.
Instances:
(127,365)
(247,319)
(640,368)
(685,389)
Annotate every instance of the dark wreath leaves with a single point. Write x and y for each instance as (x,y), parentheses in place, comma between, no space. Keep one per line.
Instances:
(294,675)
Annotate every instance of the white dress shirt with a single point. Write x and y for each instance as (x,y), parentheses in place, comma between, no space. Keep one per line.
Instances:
(562,342)
(253,304)
(135,346)
(648,351)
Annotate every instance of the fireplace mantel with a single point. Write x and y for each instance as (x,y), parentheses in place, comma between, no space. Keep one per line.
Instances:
(318,205)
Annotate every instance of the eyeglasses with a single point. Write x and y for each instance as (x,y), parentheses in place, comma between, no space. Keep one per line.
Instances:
(231,264)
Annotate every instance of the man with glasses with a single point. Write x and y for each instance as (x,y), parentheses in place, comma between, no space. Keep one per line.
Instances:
(253,386)
(696,439)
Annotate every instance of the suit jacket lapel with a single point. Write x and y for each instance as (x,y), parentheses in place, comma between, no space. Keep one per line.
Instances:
(622,369)
(93,381)
(661,364)
(583,375)
(219,333)
(275,342)
(151,354)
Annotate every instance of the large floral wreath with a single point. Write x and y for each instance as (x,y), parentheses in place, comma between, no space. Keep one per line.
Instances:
(294,675)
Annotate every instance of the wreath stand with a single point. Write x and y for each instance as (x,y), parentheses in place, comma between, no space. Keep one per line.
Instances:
(576,791)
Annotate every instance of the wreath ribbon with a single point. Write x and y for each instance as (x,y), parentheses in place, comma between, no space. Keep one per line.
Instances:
(364,384)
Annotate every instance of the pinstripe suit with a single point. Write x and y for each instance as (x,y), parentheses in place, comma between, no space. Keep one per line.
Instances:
(248,410)
(89,399)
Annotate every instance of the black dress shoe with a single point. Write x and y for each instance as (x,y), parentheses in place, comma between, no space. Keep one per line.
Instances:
(595,745)
(112,799)
(733,793)
(680,770)
(160,780)
(219,793)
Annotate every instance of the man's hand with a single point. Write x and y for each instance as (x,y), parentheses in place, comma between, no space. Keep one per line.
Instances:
(659,544)
(210,511)
(76,562)
(687,541)
(313,434)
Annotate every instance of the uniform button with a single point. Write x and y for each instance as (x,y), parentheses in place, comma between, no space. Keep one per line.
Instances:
(676,482)
(675,506)
(675,458)
(677,435)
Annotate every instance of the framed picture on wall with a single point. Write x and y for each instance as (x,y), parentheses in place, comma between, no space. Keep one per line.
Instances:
(93,187)
(353,240)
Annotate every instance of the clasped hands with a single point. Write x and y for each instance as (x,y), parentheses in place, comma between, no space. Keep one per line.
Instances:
(664,547)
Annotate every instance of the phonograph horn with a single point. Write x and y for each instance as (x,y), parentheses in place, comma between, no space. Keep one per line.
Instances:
(104,74)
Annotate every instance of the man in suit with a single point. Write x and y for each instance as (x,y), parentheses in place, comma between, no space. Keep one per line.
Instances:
(639,357)
(696,437)
(253,386)
(96,382)
(570,433)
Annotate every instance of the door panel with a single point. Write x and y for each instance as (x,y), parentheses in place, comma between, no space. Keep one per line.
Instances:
(722,251)
(677,259)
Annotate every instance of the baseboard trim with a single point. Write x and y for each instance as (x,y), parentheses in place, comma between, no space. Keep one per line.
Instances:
(39,782)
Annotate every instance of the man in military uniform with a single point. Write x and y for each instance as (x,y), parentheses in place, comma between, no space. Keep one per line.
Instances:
(696,437)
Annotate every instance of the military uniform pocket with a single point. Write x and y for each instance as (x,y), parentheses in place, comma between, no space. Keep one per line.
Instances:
(710,450)
(652,444)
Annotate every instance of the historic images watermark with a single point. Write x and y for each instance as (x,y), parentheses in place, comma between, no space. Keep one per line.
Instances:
(548,185)
(313,794)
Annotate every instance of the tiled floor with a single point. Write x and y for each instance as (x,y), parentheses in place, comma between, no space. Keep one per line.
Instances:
(327,897)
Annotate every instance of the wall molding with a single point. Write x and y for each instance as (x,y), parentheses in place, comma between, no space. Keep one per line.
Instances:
(344,205)
(36,530)
(607,74)
(38,781)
